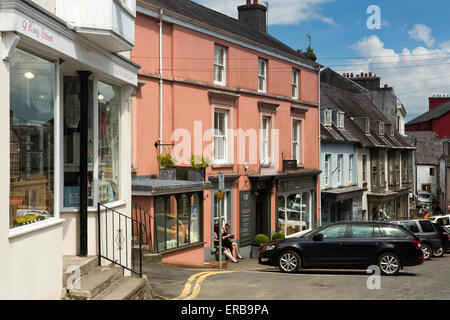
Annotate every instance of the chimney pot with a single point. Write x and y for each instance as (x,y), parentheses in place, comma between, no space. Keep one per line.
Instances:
(370,74)
(351,75)
(385,86)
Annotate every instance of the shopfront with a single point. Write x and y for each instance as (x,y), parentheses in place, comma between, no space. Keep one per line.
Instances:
(341,204)
(65,119)
(388,206)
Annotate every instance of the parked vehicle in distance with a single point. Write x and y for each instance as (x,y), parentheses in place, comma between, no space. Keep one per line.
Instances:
(346,245)
(445,236)
(430,238)
(442,220)
(423,198)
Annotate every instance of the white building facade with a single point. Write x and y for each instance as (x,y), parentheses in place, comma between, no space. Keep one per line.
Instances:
(65,98)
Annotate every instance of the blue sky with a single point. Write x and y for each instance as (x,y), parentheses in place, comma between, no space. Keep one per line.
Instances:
(410,52)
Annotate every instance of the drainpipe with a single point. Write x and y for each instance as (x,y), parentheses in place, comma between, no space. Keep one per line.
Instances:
(320,157)
(161,12)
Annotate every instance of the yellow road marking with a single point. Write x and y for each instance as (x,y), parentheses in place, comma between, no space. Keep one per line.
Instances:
(188,285)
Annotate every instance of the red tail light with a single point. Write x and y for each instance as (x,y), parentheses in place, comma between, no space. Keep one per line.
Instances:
(416,244)
(447,235)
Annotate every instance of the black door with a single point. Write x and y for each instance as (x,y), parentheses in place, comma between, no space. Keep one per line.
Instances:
(361,246)
(327,252)
(262,212)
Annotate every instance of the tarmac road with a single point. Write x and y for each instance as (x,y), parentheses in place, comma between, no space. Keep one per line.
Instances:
(248,280)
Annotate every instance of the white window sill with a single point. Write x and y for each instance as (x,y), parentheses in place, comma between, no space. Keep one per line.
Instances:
(19,231)
(111,205)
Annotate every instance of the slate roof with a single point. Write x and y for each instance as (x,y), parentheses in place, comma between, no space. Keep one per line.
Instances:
(429,147)
(228,24)
(435,113)
(356,106)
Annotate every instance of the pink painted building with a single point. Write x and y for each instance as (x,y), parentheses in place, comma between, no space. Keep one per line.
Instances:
(224,88)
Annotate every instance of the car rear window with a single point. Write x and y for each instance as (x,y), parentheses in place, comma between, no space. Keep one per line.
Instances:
(427,226)
(411,226)
(394,232)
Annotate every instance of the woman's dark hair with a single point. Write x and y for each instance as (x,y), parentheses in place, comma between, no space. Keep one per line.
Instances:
(216,229)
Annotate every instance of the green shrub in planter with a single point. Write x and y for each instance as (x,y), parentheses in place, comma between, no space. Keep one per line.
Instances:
(260,239)
(200,162)
(278,236)
(166,160)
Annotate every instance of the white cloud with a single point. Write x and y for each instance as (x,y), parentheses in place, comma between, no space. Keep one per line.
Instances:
(416,74)
(281,12)
(422,33)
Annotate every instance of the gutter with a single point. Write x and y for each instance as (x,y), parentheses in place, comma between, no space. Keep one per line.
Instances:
(161,83)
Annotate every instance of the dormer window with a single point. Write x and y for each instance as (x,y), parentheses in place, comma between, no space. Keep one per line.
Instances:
(367,126)
(340,120)
(391,130)
(327,122)
(381,129)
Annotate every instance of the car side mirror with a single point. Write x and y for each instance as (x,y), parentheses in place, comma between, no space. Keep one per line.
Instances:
(318,237)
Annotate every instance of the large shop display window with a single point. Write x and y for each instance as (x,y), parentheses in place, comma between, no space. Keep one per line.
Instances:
(32,92)
(294,213)
(72,133)
(109,101)
(177,220)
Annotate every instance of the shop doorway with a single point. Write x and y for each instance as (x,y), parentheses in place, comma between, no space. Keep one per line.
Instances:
(262,217)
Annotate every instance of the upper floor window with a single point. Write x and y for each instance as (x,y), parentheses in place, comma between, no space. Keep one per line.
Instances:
(220,57)
(340,120)
(367,126)
(364,170)
(220,135)
(339,168)
(265,139)
(296,140)
(262,72)
(350,168)
(381,129)
(431,171)
(327,169)
(295,83)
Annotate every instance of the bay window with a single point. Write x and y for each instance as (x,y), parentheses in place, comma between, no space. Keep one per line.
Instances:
(32,138)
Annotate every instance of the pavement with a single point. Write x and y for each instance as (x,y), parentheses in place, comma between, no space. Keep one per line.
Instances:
(249,280)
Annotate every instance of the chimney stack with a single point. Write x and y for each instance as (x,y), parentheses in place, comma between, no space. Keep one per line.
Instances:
(254,14)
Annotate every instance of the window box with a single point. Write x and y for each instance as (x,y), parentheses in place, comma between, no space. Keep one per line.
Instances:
(196,175)
(168,174)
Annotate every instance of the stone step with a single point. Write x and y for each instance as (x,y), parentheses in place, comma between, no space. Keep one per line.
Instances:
(152,258)
(127,288)
(85,265)
(95,282)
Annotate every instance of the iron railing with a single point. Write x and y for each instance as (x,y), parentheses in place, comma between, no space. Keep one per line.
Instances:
(120,239)
(142,216)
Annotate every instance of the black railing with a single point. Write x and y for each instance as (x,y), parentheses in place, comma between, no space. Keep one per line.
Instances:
(115,233)
(143,217)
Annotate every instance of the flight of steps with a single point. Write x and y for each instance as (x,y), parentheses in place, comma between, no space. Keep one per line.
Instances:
(101,283)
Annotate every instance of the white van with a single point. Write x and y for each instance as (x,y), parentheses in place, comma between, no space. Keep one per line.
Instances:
(442,220)
(423,198)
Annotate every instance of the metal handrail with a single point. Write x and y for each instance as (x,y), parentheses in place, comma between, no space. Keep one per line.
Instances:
(115,234)
(143,216)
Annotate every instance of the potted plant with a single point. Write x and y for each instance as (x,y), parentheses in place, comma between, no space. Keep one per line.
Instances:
(278,236)
(260,239)
(167,170)
(199,164)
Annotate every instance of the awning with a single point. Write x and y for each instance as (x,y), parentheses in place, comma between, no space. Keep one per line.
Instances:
(341,194)
(386,197)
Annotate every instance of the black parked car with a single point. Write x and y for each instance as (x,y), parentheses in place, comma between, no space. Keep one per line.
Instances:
(346,245)
(430,239)
(445,236)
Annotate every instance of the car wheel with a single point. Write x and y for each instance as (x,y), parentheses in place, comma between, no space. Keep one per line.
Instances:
(389,264)
(426,249)
(289,262)
(439,252)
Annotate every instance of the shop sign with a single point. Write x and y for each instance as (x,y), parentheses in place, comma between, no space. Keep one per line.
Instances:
(246,218)
(220,195)
(293,185)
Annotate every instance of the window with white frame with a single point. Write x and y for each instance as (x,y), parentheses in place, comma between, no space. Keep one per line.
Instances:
(327,122)
(220,57)
(220,135)
(327,169)
(340,120)
(265,139)
(296,141)
(340,160)
(295,83)
(381,129)
(350,168)
(262,72)
(367,125)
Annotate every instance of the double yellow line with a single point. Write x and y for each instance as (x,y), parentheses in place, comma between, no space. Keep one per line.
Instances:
(194,282)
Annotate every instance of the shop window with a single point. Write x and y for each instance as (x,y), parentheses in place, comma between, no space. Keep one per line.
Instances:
(72,142)
(183,211)
(32,85)
(171,222)
(160,221)
(109,102)
(195,219)
(294,213)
